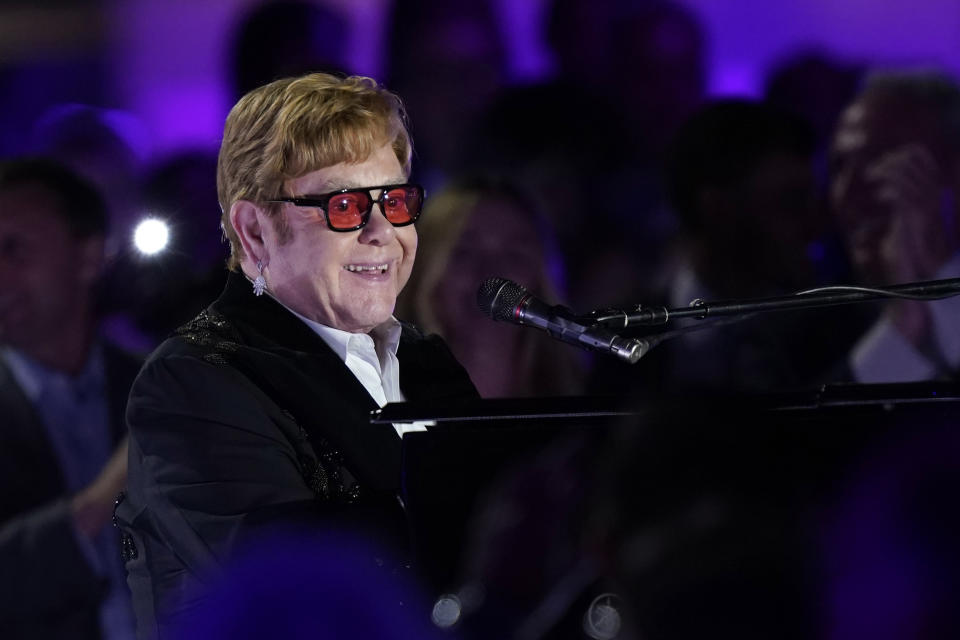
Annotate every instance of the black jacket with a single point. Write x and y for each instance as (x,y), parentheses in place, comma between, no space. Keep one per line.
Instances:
(247,417)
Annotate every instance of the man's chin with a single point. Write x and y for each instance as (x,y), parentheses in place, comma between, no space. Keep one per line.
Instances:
(367,320)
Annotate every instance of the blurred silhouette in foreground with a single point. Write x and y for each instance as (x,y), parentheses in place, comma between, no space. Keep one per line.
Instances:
(306,584)
(724,518)
(827,524)
(890,540)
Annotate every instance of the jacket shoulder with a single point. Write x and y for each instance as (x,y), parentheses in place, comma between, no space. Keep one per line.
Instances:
(429,368)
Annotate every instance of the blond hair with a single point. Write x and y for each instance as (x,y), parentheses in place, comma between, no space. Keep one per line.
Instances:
(290,127)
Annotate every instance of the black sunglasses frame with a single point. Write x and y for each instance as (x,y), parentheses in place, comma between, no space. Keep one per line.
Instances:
(322,200)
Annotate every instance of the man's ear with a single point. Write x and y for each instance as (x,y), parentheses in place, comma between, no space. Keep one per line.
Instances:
(91,258)
(247,220)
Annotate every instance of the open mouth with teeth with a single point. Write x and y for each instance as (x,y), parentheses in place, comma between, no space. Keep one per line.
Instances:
(367,268)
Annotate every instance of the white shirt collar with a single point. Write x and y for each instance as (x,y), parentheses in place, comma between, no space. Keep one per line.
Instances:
(372,358)
(385,336)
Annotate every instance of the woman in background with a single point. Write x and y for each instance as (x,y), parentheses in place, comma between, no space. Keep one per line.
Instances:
(477,228)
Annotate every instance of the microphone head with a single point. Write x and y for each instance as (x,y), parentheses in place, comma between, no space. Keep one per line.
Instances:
(498,298)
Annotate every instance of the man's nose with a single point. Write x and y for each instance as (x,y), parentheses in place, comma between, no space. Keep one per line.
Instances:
(378,229)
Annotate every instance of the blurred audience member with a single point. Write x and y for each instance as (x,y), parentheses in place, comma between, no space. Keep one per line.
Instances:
(284,38)
(107,148)
(659,61)
(658,64)
(571,172)
(742,186)
(741,182)
(648,58)
(578,34)
(895,176)
(448,60)
(816,88)
(476,229)
(628,74)
(63,393)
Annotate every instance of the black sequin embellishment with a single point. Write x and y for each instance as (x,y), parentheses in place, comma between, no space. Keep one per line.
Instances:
(128,549)
(210,329)
(325,476)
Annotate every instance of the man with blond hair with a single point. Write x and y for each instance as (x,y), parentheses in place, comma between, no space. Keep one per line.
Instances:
(256,412)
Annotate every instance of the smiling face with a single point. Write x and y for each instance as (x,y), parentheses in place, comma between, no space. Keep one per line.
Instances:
(346,280)
(869,130)
(864,133)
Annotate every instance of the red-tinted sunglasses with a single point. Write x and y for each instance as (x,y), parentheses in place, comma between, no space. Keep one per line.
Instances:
(349,209)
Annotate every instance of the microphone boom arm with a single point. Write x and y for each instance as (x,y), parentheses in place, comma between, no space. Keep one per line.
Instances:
(822,297)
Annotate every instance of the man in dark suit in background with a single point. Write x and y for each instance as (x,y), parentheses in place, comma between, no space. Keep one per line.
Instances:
(256,413)
(62,397)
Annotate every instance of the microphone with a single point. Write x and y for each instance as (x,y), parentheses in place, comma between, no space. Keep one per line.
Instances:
(506,301)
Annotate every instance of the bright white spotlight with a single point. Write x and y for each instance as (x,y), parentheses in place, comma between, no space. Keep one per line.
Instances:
(151,236)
